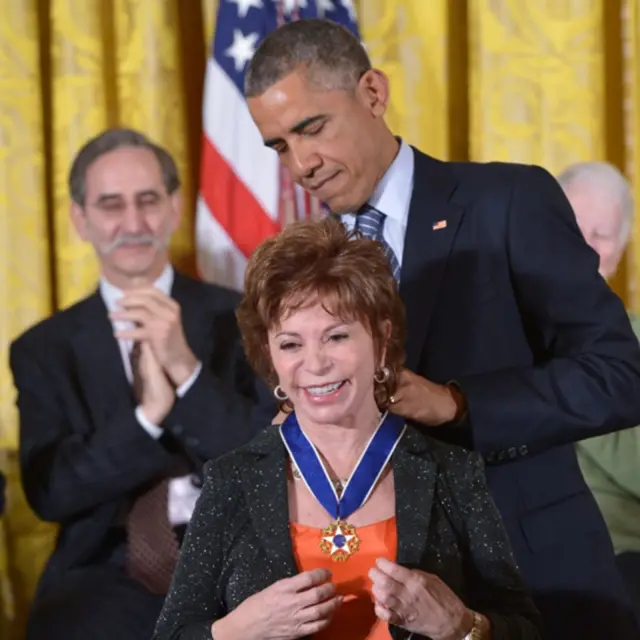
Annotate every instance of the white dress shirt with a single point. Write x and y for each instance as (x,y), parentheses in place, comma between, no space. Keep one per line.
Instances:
(393,198)
(182,492)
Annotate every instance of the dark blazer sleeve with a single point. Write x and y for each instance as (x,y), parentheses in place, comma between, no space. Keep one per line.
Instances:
(495,586)
(586,380)
(226,405)
(193,603)
(65,471)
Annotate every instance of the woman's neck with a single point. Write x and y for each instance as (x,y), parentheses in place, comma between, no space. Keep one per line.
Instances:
(341,445)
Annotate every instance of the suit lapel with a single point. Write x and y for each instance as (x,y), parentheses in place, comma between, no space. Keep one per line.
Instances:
(265,487)
(414,474)
(98,359)
(432,226)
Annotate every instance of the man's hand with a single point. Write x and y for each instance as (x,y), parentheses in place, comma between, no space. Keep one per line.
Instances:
(159,323)
(425,402)
(158,395)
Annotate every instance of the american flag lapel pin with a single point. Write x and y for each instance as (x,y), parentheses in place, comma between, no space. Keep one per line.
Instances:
(441,224)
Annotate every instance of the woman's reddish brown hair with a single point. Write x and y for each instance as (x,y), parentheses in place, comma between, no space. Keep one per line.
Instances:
(320,260)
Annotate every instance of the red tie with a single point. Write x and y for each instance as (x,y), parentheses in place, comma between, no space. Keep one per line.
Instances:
(153,548)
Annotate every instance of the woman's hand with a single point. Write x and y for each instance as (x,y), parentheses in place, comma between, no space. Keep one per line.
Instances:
(288,609)
(418,602)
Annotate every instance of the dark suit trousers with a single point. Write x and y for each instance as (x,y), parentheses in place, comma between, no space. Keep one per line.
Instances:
(97,602)
(592,604)
(629,565)
(576,585)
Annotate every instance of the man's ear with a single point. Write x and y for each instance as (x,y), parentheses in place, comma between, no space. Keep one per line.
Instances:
(79,220)
(177,207)
(373,88)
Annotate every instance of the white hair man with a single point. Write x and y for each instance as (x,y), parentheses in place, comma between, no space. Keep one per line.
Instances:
(603,203)
(602,200)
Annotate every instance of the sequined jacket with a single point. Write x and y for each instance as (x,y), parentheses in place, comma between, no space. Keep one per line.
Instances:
(238,541)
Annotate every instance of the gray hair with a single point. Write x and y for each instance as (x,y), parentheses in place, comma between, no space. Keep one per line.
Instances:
(110,140)
(335,57)
(608,178)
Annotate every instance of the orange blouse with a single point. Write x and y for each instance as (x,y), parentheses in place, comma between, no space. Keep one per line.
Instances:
(356,619)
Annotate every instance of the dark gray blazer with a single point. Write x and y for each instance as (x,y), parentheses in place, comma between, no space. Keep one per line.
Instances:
(238,541)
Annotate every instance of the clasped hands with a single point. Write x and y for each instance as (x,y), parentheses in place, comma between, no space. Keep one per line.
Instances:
(166,361)
(305,604)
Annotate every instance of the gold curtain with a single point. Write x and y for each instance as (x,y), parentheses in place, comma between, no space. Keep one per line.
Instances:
(25,285)
(631,123)
(537,81)
(546,85)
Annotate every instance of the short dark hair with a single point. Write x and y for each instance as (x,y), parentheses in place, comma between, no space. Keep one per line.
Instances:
(334,57)
(110,140)
(320,259)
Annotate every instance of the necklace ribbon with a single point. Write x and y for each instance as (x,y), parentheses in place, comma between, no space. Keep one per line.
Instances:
(339,539)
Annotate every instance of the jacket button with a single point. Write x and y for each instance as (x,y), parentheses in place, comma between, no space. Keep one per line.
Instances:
(501,455)
(512,453)
(523,450)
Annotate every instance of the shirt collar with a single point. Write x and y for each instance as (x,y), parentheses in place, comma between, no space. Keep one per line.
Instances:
(111,294)
(392,195)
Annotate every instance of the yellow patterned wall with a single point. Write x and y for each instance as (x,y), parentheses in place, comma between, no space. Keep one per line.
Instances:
(78,111)
(631,124)
(25,285)
(537,81)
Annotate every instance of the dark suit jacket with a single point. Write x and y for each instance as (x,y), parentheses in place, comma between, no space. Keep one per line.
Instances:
(83,454)
(506,300)
(238,541)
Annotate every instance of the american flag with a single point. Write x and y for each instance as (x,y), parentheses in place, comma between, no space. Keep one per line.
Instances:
(245,196)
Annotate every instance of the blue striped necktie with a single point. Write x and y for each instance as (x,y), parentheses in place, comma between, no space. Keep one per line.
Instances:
(370,223)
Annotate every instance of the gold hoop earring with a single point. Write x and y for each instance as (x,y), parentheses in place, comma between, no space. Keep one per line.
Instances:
(279,394)
(382,375)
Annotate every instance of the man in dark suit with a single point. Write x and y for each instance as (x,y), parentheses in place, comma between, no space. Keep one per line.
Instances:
(516,347)
(122,398)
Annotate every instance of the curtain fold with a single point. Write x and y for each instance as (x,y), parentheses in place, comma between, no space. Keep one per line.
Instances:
(408,40)
(25,282)
(150,90)
(25,286)
(631,85)
(536,81)
(79,83)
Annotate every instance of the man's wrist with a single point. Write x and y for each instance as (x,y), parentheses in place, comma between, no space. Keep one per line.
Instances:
(152,414)
(447,405)
(182,370)
(459,411)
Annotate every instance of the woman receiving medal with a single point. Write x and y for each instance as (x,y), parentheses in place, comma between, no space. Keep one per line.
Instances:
(343,522)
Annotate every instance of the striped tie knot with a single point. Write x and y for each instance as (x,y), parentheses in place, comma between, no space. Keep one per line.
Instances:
(370,223)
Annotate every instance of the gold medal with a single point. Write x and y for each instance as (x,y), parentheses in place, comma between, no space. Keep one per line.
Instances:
(339,541)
